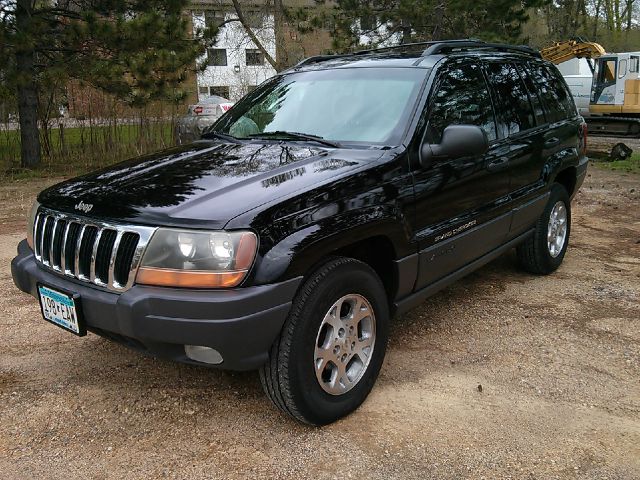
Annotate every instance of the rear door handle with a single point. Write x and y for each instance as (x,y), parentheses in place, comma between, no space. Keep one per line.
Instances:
(551,142)
(498,164)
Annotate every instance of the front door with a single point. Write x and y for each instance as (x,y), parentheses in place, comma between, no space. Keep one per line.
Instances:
(459,201)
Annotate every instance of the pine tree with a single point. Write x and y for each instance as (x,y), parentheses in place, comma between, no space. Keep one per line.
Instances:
(384,22)
(137,50)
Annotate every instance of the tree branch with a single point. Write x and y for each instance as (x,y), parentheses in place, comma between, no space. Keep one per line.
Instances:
(252,35)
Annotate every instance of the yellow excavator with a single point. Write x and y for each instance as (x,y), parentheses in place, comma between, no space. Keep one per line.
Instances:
(614,107)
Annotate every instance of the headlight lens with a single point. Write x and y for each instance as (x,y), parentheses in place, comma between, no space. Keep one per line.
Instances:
(196,259)
(31,221)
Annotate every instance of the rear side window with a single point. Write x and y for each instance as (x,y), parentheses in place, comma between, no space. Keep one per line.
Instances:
(515,112)
(536,103)
(555,95)
(461,98)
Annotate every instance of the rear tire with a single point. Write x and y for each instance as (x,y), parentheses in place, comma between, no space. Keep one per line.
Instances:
(331,349)
(543,252)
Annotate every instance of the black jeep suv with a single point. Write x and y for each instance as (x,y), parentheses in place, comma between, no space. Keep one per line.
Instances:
(339,193)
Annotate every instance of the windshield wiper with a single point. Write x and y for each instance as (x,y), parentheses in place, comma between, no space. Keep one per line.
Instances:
(296,136)
(221,136)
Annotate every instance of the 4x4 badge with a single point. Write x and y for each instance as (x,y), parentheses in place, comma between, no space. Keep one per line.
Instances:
(84,207)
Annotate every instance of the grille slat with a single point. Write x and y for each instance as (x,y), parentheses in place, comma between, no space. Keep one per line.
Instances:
(86,250)
(124,257)
(105,255)
(47,231)
(63,250)
(71,247)
(56,244)
(37,234)
(114,255)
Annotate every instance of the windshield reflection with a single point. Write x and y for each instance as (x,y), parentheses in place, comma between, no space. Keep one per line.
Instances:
(366,105)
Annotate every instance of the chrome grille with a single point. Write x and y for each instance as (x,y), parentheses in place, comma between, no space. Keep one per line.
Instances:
(104,254)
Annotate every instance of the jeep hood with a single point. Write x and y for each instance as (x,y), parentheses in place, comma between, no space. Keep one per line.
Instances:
(203,184)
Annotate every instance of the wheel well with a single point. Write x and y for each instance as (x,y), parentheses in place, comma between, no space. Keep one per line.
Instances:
(567,178)
(377,252)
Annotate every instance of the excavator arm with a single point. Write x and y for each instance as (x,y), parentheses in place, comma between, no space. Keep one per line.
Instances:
(562,51)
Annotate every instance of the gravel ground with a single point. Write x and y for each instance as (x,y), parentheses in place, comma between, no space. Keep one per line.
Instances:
(557,359)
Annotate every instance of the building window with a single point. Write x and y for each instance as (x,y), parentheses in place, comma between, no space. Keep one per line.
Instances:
(368,23)
(220,91)
(216,57)
(203,90)
(213,19)
(254,57)
(254,19)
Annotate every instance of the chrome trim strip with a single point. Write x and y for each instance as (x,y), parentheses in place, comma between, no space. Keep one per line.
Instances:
(112,260)
(53,239)
(137,258)
(94,254)
(63,250)
(37,245)
(79,275)
(42,245)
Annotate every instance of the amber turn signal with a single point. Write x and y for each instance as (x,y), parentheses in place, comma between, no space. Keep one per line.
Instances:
(166,277)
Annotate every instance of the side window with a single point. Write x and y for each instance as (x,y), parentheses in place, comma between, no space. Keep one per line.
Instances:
(622,70)
(461,97)
(607,73)
(538,110)
(555,95)
(633,64)
(516,113)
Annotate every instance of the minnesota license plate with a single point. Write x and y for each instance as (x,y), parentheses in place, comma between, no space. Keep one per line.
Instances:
(61,309)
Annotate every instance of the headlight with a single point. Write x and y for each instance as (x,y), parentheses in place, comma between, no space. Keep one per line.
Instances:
(30,222)
(196,259)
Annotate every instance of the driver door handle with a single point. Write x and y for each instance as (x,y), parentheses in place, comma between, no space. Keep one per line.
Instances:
(498,164)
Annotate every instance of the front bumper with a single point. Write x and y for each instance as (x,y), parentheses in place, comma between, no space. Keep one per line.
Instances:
(241,323)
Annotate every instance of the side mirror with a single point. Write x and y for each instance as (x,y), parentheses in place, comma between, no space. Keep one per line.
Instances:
(457,141)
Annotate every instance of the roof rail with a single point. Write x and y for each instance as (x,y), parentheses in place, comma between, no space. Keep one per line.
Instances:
(432,48)
(401,46)
(470,44)
(320,58)
(316,58)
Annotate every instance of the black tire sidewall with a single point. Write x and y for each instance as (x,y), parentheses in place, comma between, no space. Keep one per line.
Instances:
(316,405)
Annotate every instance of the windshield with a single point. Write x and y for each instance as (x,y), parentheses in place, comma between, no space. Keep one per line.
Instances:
(369,105)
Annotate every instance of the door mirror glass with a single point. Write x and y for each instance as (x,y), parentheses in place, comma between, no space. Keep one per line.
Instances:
(457,141)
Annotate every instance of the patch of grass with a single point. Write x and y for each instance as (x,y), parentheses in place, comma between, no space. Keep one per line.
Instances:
(77,150)
(630,165)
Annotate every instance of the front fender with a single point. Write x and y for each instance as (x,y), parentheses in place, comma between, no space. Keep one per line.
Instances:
(299,251)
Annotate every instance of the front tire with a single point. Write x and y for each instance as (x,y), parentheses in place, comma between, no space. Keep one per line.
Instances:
(543,252)
(332,345)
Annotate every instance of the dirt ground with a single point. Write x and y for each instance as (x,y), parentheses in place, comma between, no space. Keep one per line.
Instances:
(558,359)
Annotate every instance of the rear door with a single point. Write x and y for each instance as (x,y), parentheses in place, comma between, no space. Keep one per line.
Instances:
(526,139)
(546,86)
(459,200)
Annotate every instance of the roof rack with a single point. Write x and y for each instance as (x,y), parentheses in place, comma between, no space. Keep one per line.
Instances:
(318,58)
(432,48)
(471,44)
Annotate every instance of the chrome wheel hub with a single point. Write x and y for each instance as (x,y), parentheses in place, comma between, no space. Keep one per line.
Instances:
(344,344)
(557,229)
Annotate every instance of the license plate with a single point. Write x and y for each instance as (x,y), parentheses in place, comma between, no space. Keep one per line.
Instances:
(61,309)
